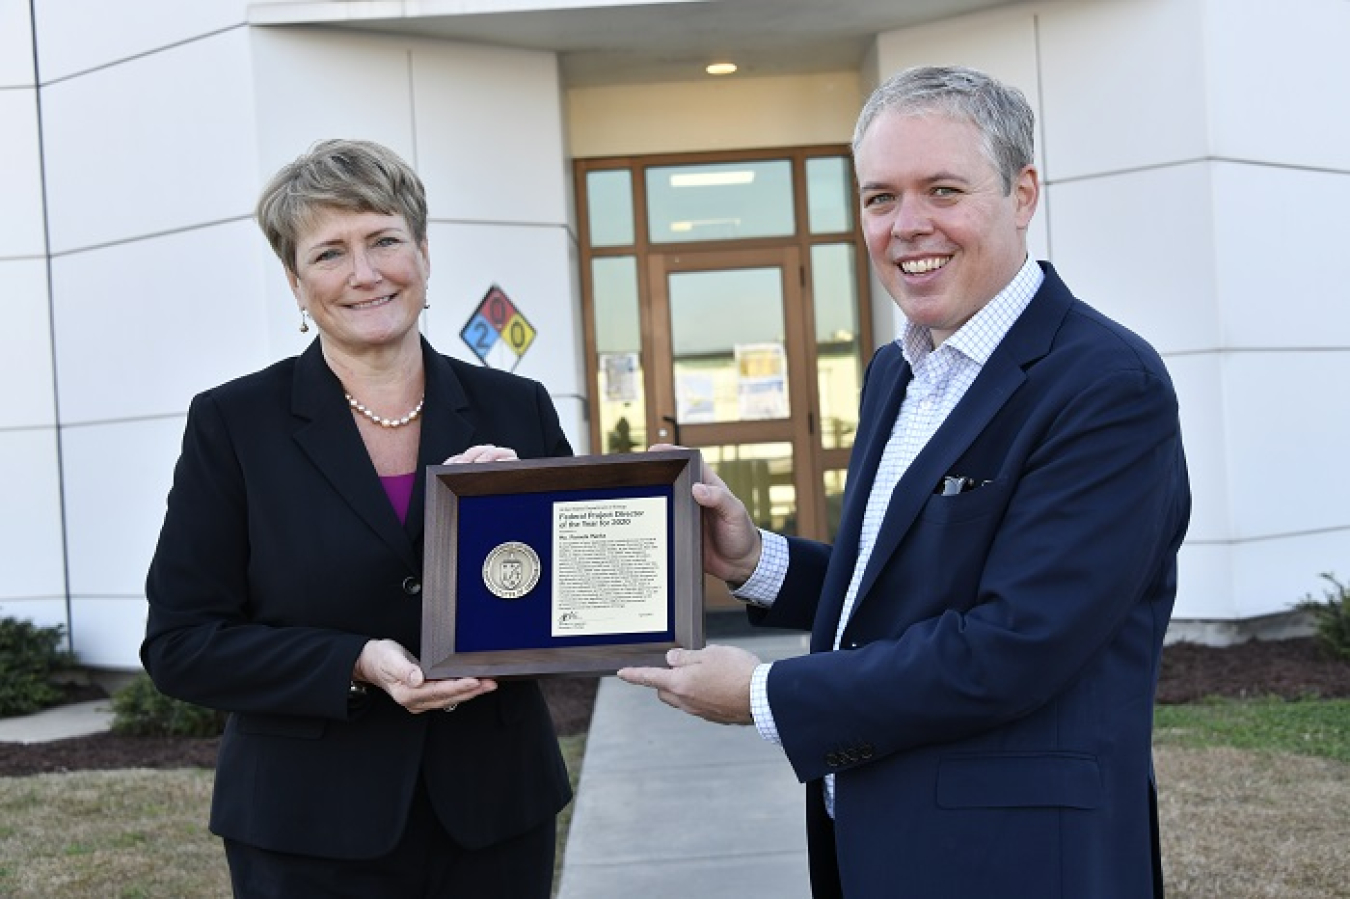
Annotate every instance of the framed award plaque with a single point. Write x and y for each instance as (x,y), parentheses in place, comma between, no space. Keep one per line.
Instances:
(570,566)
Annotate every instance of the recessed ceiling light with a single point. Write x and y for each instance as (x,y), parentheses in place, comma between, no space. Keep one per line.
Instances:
(711,179)
(721,68)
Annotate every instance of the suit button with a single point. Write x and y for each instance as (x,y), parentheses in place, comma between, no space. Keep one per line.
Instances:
(832,760)
(412,586)
(867,751)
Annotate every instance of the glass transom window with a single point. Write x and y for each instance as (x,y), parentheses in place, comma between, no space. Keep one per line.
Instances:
(720,201)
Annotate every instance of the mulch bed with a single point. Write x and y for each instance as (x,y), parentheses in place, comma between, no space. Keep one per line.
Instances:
(570,701)
(1289,669)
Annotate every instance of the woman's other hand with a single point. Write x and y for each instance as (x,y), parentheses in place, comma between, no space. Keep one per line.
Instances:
(387,665)
(485,452)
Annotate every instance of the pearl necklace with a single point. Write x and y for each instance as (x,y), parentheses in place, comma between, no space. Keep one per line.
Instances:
(386,422)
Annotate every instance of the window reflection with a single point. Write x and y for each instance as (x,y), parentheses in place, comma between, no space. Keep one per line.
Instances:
(760,474)
(720,201)
(609,202)
(618,342)
(727,338)
(838,349)
(829,195)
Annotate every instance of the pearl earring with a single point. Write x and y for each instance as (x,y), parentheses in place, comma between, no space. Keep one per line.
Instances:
(304,321)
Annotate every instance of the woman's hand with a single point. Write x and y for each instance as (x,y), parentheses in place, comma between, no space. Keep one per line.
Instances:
(484,452)
(387,665)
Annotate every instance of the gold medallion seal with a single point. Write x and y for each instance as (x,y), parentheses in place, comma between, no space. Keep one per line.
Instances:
(511,570)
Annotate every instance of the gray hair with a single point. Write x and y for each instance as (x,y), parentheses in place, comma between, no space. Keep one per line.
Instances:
(348,175)
(1000,111)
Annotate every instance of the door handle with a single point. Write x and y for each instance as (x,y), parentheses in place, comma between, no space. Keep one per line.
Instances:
(673,432)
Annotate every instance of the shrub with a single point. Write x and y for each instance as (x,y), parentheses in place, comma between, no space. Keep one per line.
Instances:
(29,656)
(140,710)
(1331,615)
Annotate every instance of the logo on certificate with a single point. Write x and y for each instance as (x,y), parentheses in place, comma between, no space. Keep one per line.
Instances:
(511,570)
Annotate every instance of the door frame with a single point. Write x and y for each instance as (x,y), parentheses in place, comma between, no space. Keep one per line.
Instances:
(641,249)
(798,428)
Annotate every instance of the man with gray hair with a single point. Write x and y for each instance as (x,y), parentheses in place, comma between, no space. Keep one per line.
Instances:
(974,719)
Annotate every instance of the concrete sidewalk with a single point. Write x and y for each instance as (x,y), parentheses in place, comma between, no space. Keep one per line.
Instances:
(77,720)
(671,807)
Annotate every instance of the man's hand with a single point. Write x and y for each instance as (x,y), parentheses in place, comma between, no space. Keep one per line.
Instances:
(731,542)
(712,684)
(387,665)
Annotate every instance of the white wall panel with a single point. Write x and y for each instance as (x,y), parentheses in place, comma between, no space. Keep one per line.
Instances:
(1288,426)
(16,44)
(107,631)
(78,35)
(721,114)
(26,346)
(466,260)
(1139,247)
(117,480)
(153,145)
(490,143)
(1122,85)
(1205,583)
(1277,76)
(30,524)
(1280,241)
(312,85)
(143,326)
(1000,43)
(21,222)
(1270,576)
(1204,433)
(42,612)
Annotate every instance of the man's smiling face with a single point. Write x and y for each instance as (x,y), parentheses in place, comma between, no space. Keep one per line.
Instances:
(943,235)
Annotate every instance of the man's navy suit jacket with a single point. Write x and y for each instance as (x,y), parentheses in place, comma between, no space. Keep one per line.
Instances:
(280,556)
(988,715)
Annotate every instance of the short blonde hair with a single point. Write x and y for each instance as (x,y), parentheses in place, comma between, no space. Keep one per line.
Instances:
(350,175)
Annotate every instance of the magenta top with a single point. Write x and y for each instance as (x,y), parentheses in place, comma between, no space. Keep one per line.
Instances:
(399,487)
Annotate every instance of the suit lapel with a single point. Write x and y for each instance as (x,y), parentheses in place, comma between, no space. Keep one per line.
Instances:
(1029,339)
(327,434)
(885,388)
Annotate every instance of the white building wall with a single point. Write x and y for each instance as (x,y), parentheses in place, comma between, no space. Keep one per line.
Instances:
(160,122)
(32,555)
(1194,170)
(484,128)
(150,161)
(1194,162)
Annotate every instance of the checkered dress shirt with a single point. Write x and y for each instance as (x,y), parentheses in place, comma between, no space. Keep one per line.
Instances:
(941,377)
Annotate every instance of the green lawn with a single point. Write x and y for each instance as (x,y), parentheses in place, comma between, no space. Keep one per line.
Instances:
(1319,728)
(142,834)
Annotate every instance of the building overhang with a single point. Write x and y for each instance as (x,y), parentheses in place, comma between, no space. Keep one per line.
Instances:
(602,42)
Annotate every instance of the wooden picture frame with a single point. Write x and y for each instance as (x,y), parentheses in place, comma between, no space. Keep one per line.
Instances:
(556,567)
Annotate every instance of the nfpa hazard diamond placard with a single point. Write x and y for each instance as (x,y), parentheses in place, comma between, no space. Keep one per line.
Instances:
(497,332)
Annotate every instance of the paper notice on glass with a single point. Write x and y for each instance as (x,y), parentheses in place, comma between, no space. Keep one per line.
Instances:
(761,375)
(609,567)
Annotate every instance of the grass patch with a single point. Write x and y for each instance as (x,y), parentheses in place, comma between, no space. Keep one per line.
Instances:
(573,749)
(1318,728)
(136,834)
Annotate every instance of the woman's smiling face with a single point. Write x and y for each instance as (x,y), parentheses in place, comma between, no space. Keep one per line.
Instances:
(362,277)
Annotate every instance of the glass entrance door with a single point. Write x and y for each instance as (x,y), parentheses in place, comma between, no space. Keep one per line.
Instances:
(725,306)
(730,376)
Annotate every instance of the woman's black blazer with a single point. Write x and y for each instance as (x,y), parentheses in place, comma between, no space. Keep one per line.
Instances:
(280,556)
